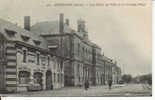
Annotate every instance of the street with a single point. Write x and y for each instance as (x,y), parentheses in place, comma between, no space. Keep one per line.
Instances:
(130,90)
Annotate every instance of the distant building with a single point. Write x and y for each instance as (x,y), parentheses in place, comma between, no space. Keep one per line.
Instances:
(116,74)
(49,55)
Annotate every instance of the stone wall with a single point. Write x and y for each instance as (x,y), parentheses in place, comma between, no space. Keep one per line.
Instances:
(11,74)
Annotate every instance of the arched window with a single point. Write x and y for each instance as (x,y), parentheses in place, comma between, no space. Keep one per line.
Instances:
(38,78)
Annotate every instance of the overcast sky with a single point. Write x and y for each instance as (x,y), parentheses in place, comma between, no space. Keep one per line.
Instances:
(124,33)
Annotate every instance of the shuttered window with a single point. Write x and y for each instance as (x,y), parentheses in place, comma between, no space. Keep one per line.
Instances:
(24,56)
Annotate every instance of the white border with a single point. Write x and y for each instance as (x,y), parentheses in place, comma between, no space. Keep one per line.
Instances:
(104,98)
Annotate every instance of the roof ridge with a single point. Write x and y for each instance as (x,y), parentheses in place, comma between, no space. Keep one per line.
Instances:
(40,22)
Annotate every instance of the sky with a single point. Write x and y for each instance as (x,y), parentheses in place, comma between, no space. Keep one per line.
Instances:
(123,32)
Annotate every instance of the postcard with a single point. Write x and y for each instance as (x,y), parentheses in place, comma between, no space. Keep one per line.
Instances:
(76,48)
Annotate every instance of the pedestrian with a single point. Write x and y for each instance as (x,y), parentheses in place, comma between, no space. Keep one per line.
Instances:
(109,83)
(86,85)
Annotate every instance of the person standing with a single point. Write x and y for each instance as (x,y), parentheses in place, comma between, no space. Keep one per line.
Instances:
(109,83)
(86,85)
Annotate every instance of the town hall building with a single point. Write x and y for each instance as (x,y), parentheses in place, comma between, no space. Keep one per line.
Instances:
(50,55)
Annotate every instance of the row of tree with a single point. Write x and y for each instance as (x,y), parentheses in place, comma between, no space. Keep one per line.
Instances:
(127,78)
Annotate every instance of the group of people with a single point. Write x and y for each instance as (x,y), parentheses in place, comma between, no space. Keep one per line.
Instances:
(86,84)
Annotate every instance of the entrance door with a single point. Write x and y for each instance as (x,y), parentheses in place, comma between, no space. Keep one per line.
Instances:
(49,85)
(38,78)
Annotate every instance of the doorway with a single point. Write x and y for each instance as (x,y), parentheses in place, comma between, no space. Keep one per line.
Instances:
(49,85)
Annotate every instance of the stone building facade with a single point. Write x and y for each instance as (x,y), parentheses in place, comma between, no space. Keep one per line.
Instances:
(50,55)
(26,61)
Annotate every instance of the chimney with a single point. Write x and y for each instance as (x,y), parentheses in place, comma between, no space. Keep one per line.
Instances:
(67,22)
(61,23)
(81,25)
(27,25)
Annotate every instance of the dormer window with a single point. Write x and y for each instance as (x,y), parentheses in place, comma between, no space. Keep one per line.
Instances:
(37,42)
(25,38)
(10,32)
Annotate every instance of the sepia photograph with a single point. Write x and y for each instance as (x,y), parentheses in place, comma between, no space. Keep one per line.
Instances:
(76,48)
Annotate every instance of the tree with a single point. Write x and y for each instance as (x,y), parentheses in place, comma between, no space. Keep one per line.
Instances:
(146,79)
(126,78)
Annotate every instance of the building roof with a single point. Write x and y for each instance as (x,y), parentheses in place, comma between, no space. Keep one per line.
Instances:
(49,27)
(20,33)
(106,58)
(95,45)
(52,28)
(34,36)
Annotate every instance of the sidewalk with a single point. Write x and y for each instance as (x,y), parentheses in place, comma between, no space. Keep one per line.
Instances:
(93,91)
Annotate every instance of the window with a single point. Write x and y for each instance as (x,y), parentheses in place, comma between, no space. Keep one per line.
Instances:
(54,77)
(61,78)
(37,42)
(83,73)
(25,38)
(79,79)
(0,71)
(58,77)
(54,64)
(24,56)
(78,70)
(38,78)
(10,32)
(48,60)
(61,65)
(83,49)
(24,77)
(78,48)
(85,52)
(38,58)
